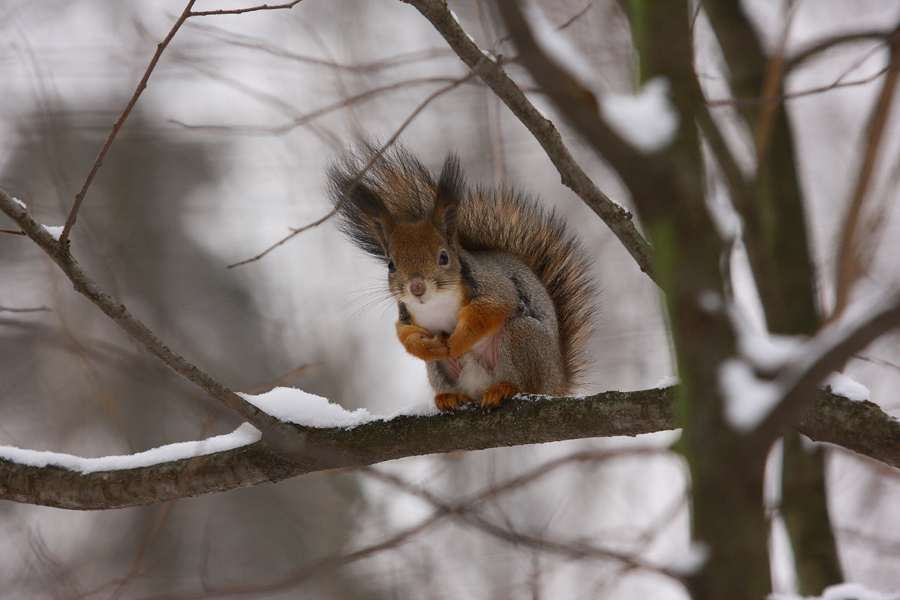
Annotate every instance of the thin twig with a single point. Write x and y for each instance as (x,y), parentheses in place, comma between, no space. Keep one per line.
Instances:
(306,118)
(851,261)
(12,232)
(386,145)
(253,43)
(465,512)
(161,47)
(744,102)
(79,198)
(828,43)
(241,11)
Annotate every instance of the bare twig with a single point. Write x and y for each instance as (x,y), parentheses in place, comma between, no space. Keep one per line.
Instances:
(851,261)
(375,157)
(519,481)
(79,198)
(241,11)
(254,43)
(12,232)
(465,512)
(142,84)
(772,83)
(779,98)
(306,118)
(824,45)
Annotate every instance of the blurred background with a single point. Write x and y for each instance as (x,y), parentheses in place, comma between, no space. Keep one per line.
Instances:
(223,155)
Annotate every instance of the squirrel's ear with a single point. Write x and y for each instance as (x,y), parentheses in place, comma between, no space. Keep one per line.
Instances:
(450,191)
(370,204)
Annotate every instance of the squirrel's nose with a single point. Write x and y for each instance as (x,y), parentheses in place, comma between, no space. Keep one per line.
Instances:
(417,286)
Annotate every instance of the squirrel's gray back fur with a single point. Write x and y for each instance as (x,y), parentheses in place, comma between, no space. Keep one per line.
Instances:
(488,219)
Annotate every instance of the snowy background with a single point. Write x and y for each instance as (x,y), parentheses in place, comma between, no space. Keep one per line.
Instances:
(224,153)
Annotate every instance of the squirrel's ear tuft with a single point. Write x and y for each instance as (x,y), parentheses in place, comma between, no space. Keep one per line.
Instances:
(449,193)
(363,212)
(373,207)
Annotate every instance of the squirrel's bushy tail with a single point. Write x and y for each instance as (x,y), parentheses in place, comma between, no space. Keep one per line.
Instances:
(488,219)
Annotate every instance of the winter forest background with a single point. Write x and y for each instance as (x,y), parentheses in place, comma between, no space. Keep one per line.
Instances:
(225,151)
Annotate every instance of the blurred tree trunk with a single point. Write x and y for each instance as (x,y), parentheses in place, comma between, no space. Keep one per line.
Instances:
(775,234)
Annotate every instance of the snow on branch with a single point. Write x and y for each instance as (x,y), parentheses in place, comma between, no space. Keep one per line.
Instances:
(647,120)
(815,360)
(244,435)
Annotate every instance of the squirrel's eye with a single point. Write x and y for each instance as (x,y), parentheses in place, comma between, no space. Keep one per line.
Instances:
(443,259)
(391,267)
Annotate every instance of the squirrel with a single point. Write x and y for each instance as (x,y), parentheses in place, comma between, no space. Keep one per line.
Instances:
(494,293)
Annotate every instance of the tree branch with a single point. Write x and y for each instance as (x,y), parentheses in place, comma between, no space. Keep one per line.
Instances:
(616,218)
(828,43)
(273,430)
(852,250)
(186,14)
(830,350)
(79,198)
(859,426)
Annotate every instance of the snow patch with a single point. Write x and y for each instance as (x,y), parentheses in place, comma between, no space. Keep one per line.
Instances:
(296,406)
(647,121)
(287,404)
(668,381)
(54,230)
(690,562)
(847,387)
(769,352)
(471,39)
(711,301)
(20,203)
(244,435)
(559,48)
(748,399)
(302,408)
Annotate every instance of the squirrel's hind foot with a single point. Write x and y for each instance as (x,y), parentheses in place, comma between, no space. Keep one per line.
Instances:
(447,402)
(498,393)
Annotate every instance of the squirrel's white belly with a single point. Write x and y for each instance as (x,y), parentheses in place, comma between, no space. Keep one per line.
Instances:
(474,379)
(478,367)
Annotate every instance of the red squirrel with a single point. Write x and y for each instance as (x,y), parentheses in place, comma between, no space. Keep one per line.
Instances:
(494,293)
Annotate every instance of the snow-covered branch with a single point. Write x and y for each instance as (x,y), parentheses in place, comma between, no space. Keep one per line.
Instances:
(272,429)
(344,439)
(826,352)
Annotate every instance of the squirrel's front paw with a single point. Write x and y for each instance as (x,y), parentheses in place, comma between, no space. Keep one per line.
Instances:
(462,340)
(420,343)
(432,348)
